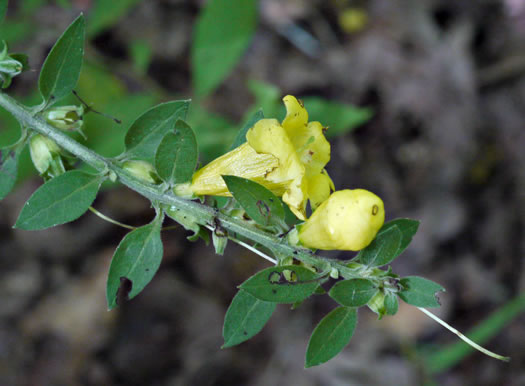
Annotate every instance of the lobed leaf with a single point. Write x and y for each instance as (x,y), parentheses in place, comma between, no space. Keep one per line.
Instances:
(8,169)
(61,69)
(274,285)
(177,154)
(246,316)
(420,292)
(383,249)
(135,262)
(144,135)
(260,204)
(331,335)
(353,292)
(222,33)
(60,200)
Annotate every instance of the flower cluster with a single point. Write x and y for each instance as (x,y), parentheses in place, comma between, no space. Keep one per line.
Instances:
(289,158)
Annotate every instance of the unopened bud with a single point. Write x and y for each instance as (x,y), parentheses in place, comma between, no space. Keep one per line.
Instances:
(142,170)
(377,304)
(43,150)
(70,118)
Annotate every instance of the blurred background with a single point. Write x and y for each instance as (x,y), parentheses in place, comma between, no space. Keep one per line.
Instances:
(425,101)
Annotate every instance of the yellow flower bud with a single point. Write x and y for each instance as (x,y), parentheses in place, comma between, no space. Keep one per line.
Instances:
(347,220)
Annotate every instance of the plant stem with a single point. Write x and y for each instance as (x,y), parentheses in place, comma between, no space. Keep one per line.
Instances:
(204,214)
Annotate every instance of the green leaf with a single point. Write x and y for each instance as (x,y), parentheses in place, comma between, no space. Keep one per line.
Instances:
(284,284)
(136,259)
(391,304)
(61,69)
(3,9)
(245,317)
(383,249)
(223,31)
(241,135)
(420,292)
(60,200)
(145,134)
(8,169)
(331,335)
(104,14)
(353,292)
(260,204)
(408,228)
(340,118)
(177,154)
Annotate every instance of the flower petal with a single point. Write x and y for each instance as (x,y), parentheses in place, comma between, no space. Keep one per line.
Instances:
(319,188)
(267,136)
(242,161)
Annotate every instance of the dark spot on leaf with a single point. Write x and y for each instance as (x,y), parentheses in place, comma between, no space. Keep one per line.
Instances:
(375,209)
(274,291)
(147,269)
(245,333)
(123,290)
(295,252)
(264,209)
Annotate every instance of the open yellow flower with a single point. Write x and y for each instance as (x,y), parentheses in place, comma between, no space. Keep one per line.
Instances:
(347,220)
(287,158)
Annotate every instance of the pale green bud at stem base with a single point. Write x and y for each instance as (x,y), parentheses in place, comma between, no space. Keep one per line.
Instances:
(43,151)
(142,170)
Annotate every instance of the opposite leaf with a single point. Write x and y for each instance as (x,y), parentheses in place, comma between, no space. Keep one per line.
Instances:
(145,134)
(8,170)
(245,317)
(60,200)
(331,335)
(135,262)
(284,284)
(383,249)
(420,292)
(177,154)
(353,292)
(59,74)
(260,204)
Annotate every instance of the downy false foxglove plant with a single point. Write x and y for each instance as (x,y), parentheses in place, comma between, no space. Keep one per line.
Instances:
(272,167)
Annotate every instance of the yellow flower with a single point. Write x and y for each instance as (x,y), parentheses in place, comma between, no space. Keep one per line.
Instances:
(287,158)
(347,220)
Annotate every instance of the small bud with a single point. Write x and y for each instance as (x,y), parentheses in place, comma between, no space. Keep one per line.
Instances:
(68,118)
(43,150)
(377,304)
(219,242)
(142,170)
(183,190)
(11,67)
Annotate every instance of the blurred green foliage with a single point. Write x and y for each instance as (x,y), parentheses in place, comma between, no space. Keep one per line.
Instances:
(105,91)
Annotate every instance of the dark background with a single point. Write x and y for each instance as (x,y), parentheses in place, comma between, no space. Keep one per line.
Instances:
(446,146)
